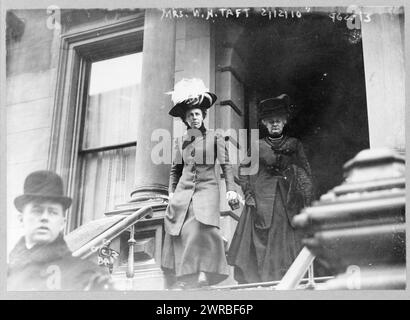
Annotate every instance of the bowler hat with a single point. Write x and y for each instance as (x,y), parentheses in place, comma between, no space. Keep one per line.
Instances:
(190,93)
(42,185)
(274,106)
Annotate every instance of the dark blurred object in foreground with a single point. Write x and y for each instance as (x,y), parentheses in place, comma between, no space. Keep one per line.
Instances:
(357,230)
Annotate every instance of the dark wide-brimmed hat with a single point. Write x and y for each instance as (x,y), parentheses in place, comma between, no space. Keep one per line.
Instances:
(279,105)
(42,185)
(190,93)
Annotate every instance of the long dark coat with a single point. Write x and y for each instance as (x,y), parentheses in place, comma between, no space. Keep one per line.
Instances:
(52,267)
(193,178)
(274,194)
(289,161)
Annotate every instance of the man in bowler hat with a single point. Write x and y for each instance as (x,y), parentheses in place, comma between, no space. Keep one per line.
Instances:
(41,260)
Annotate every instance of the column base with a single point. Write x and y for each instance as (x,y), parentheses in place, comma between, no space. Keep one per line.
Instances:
(155,196)
(149,192)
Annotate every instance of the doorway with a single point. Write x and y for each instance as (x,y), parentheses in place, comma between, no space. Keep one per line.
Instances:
(319,64)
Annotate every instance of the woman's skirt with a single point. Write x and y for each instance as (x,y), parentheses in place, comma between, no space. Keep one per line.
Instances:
(260,255)
(197,248)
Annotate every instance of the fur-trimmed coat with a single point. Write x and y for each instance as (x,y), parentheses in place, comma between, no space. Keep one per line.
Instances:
(283,168)
(52,267)
(265,242)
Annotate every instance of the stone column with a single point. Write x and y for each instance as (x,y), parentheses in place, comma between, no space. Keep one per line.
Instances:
(231,76)
(383,52)
(230,85)
(151,180)
(151,176)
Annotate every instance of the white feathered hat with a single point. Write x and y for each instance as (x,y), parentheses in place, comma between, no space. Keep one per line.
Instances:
(190,93)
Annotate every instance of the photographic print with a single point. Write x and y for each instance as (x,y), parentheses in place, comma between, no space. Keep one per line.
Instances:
(205,148)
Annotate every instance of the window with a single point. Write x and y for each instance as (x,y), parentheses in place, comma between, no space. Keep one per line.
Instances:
(107,146)
(93,140)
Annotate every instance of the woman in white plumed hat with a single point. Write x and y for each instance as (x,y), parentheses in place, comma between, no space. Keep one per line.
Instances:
(193,246)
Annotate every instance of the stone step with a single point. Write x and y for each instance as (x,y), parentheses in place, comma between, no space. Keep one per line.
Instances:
(152,280)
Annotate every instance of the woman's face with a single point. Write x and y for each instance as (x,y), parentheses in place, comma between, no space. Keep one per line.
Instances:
(194,118)
(275,124)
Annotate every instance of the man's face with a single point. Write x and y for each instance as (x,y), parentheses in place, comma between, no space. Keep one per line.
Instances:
(194,118)
(42,222)
(275,124)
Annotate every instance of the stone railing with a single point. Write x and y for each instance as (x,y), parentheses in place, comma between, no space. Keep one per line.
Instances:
(96,237)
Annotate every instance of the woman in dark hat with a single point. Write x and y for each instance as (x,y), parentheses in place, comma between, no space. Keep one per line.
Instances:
(265,242)
(193,247)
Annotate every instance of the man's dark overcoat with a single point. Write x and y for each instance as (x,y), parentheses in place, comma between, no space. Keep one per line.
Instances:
(52,267)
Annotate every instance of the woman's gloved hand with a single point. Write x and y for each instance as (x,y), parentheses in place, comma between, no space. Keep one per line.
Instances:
(233,199)
(231,195)
(250,200)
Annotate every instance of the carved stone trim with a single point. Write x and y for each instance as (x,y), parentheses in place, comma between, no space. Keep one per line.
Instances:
(231,70)
(232,105)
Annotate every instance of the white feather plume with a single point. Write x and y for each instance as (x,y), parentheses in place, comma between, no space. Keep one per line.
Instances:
(190,90)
